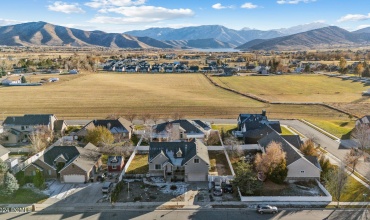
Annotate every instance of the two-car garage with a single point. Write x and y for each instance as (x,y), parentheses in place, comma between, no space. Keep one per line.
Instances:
(74,178)
(196,177)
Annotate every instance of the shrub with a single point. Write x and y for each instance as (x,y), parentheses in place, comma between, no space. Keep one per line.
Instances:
(39,180)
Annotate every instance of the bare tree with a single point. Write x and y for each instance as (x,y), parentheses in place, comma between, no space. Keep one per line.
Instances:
(155,118)
(232,145)
(336,181)
(113,116)
(308,148)
(131,116)
(145,117)
(351,159)
(37,142)
(178,115)
(361,135)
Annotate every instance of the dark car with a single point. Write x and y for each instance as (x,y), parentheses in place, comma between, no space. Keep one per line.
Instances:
(107,187)
(217,192)
(228,188)
(267,209)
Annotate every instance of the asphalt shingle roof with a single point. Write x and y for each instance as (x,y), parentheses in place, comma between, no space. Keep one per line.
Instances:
(41,119)
(185,124)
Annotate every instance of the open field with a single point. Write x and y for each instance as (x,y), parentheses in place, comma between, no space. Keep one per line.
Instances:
(297,88)
(98,95)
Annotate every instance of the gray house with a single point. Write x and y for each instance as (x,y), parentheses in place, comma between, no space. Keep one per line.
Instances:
(300,167)
(180,130)
(187,161)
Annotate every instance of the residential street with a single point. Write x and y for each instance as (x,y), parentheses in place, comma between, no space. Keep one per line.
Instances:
(201,214)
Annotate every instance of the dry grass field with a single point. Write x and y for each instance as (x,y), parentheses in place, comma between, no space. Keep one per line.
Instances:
(297,88)
(98,95)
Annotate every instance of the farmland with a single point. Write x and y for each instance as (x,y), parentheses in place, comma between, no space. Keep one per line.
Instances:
(297,88)
(98,95)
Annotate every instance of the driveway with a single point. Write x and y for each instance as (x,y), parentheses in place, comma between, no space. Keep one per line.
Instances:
(70,193)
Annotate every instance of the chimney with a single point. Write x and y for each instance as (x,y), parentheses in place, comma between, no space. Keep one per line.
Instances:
(263,112)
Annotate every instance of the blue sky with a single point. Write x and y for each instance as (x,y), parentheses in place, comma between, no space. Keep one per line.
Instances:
(124,15)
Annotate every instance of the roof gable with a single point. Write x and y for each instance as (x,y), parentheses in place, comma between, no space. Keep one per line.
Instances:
(68,152)
(186,125)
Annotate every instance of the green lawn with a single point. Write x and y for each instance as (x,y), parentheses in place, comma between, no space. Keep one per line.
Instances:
(339,128)
(139,165)
(285,131)
(226,127)
(219,162)
(23,196)
(354,192)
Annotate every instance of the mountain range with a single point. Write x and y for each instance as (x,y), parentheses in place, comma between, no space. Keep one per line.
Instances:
(322,38)
(306,36)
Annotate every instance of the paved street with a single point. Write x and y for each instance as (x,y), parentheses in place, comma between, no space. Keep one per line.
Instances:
(214,214)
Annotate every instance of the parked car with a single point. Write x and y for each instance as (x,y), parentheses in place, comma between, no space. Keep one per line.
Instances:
(217,192)
(101,177)
(228,188)
(267,209)
(107,187)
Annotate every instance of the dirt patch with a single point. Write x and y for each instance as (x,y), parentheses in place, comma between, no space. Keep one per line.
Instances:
(291,189)
(219,163)
(138,191)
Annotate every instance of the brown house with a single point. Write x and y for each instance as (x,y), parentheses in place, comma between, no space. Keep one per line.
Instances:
(68,163)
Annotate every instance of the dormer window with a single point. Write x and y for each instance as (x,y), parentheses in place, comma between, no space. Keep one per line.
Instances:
(179,153)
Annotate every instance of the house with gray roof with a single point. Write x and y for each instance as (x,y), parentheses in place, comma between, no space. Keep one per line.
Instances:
(70,164)
(300,167)
(181,129)
(18,128)
(251,127)
(120,128)
(184,161)
(363,120)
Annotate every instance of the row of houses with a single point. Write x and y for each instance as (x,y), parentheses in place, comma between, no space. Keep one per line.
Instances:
(176,148)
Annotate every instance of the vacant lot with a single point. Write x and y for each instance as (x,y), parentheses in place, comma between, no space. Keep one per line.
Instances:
(296,88)
(340,128)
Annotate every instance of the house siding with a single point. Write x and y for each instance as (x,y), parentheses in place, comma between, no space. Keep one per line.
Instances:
(196,168)
(4,157)
(73,169)
(160,159)
(46,169)
(310,171)
(28,171)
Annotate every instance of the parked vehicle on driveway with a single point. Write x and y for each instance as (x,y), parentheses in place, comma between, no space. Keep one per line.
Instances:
(101,177)
(267,209)
(107,187)
(217,192)
(228,188)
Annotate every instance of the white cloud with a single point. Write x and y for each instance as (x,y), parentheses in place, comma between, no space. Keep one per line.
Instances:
(110,3)
(363,26)
(354,17)
(248,5)
(219,6)
(281,2)
(141,14)
(5,22)
(65,7)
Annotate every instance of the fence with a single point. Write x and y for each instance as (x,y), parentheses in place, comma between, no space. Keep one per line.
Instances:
(130,160)
(326,198)
(32,159)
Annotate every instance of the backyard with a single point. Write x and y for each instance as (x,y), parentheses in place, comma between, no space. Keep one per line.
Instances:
(139,165)
(219,163)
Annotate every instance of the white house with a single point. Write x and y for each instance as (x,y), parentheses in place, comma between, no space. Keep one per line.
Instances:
(12,80)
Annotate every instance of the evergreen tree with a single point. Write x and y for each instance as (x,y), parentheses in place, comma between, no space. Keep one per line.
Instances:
(39,180)
(279,173)
(9,186)
(23,79)
(246,179)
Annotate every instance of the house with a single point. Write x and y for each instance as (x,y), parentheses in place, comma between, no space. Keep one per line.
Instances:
(4,153)
(115,163)
(187,161)
(60,126)
(19,127)
(300,167)
(70,164)
(120,128)
(12,80)
(181,129)
(364,120)
(252,127)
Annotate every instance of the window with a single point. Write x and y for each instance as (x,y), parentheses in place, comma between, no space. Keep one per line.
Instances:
(22,128)
(196,160)
(158,167)
(33,173)
(302,171)
(49,172)
(114,167)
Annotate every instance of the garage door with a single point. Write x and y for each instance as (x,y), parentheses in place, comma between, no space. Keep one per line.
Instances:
(74,178)
(197,177)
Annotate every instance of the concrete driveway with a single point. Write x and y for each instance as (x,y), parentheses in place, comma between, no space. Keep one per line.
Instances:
(70,193)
